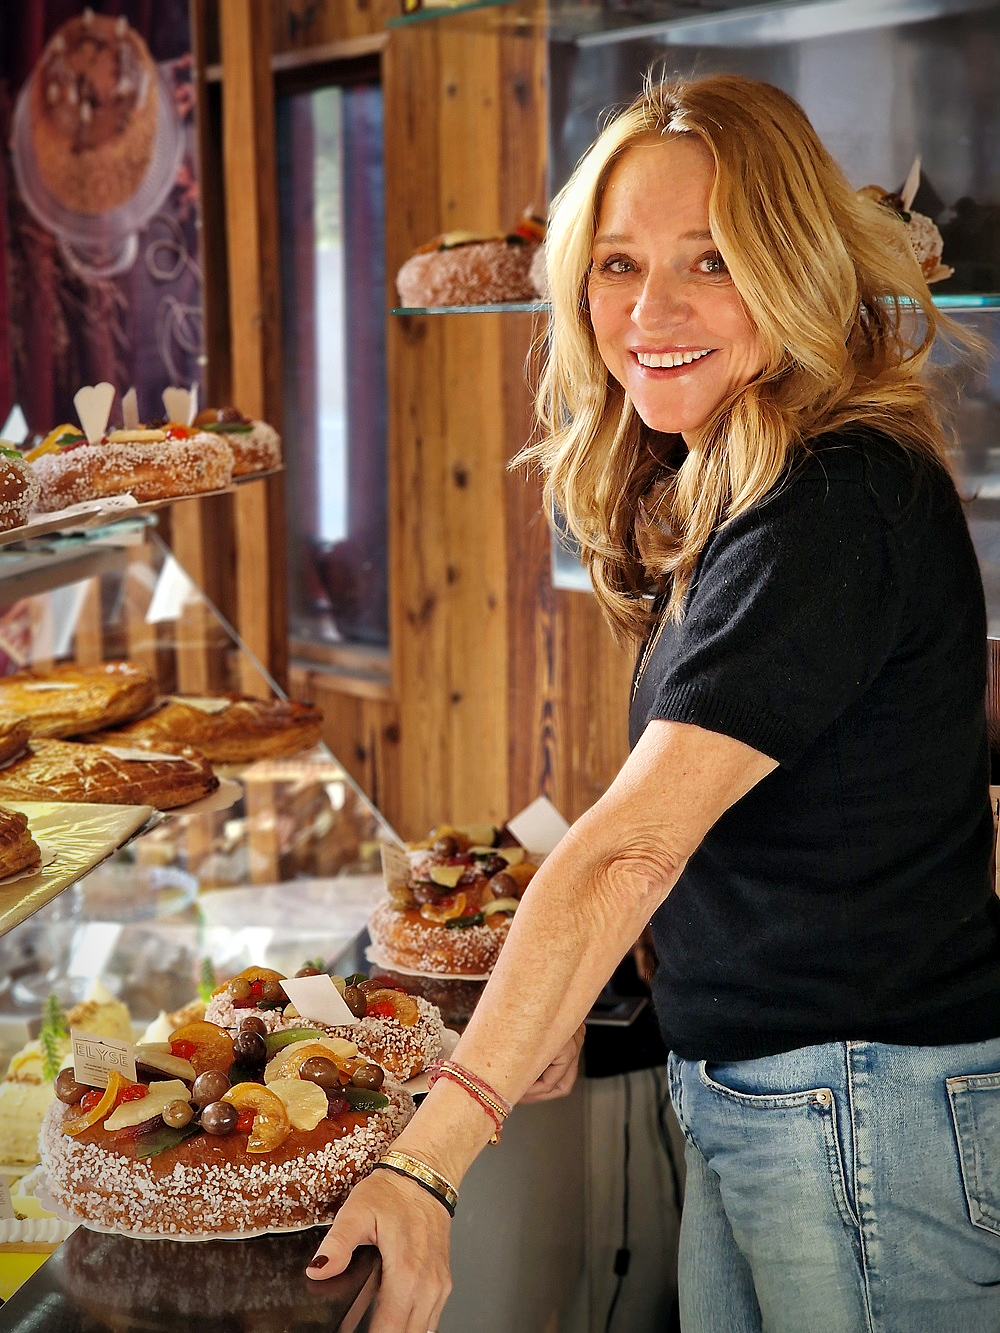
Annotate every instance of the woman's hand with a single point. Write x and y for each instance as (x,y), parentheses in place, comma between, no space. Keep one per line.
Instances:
(411,1230)
(558,1079)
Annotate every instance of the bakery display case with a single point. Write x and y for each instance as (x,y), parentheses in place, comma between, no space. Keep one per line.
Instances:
(137,908)
(142,911)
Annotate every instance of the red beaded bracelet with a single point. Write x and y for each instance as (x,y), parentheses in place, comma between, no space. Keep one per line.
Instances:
(495,1106)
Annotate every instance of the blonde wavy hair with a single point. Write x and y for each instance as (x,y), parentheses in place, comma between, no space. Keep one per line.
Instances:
(840,306)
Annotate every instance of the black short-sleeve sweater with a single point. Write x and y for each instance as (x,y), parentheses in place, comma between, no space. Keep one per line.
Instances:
(839,627)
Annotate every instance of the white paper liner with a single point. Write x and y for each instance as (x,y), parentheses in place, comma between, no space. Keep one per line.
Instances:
(375,955)
(83,834)
(417,1085)
(226,794)
(64,1214)
(48,856)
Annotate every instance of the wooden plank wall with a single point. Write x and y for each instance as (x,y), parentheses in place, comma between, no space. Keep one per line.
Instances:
(500,688)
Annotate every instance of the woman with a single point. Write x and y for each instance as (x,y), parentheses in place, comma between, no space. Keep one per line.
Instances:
(739,432)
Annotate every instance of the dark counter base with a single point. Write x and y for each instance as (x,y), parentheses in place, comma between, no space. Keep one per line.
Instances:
(95,1282)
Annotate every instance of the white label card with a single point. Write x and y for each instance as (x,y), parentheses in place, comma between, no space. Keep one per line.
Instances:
(395,864)
(7,1213)
(94,1058)
(204,703)
(539,826)
(141,756)
(319,999)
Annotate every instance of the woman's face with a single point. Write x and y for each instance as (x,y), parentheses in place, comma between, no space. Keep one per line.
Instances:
(670,326)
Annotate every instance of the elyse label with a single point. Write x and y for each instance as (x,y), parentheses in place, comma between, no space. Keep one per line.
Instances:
(95,1057)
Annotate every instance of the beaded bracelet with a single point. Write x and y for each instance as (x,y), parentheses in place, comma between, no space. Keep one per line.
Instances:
(434,1183)
(495,1106)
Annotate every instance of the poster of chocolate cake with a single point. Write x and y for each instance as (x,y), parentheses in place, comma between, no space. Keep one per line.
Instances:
(99,268)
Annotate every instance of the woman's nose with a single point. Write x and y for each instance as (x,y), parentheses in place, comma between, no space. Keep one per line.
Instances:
(662,301)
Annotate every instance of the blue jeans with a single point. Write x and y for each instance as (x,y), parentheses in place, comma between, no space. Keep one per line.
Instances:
(849,1188)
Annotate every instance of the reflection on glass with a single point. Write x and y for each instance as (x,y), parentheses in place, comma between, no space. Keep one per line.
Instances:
(285,869)
(331,217)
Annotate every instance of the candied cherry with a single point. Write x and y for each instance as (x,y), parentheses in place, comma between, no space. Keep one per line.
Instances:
(132,1092)
(183,1049)
(381,1009)
(244,1121)
(90,1099)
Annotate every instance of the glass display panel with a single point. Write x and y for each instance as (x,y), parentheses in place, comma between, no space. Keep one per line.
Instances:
(280,866)
(882,85)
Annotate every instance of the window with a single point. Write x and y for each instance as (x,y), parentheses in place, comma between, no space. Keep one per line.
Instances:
(331,208)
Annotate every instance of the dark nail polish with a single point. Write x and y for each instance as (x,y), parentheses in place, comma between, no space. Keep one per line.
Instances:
(318,1261)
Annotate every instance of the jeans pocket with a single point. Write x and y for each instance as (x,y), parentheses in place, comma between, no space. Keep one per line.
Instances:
(975,1113)
(798,1125)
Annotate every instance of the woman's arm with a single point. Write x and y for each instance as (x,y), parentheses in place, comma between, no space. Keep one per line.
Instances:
(583,910)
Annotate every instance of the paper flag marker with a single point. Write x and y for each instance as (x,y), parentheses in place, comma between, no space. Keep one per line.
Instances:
(93,407)
(318,998)
(130,409)
(177,405)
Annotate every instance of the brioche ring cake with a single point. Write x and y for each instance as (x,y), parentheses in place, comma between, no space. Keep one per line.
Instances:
(402,1033)
(230,729)
(19,490)
(216,1137)
(256,445)
(71,698)
(93,110)
(453,911)
(54,770)
(148,464)
(466,268)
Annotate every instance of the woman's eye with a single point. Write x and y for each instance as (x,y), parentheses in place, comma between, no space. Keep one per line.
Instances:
(615,264)
(713,263)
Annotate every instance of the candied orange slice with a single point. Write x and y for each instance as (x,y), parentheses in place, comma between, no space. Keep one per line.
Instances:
(48,445)
(271,1125)
(288,1062)
(213,1046)
(102,1108)
(521,874)
(445,911)
(252,974)
(405,1006)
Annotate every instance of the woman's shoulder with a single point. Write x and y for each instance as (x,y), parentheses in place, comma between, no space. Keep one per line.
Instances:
(890,473)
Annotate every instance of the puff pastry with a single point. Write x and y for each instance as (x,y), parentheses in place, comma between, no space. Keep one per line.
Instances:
(14,736)
(244,730)
(71,698)
(18,849)
(54,770)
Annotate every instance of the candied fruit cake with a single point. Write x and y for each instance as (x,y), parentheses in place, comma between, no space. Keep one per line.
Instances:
(216,1137)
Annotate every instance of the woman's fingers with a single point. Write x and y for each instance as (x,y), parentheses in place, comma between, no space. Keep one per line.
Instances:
(352,1227)
(558,1079)
(411,1230)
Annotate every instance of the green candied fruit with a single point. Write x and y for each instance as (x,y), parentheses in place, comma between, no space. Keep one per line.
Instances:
(364,1099)
(274,1041)
(463,922)
(160,1139)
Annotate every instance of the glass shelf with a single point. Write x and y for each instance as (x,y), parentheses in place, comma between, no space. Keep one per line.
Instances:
(689,22)
(501,308)
(474,13)
(944,301)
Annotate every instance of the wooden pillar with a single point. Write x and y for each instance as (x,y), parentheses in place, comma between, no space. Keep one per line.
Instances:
(251,215)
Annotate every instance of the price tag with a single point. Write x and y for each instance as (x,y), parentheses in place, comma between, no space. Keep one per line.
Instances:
(7,1213)
(539,826)
(95,1057)
(319,999)
(395,864)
